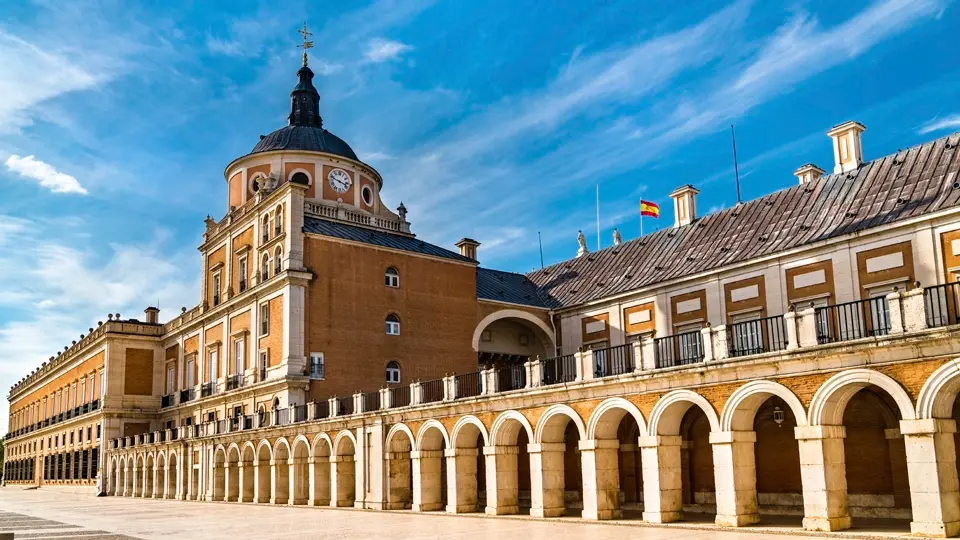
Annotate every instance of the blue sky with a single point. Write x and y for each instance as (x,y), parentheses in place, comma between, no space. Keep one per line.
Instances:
(494,120)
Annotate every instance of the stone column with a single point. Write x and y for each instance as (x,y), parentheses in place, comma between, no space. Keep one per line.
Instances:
(546,479)
(721,349)
(807,328)
(931,464)
(706,338)
(225,496)
(297,493)
(662,480)
(790,322)
(135,491)
(155,490)
(274,479)
(824,474)
(461,479)
(503,481)
(534,372)
(914,312)
(342,487)
(735,473)
(901,483)
(426,480)
(629,472)
(895,311)
(242,494)
(399,484)
(601,478)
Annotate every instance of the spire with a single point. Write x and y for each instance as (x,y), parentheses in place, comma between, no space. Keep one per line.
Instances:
(306,44)
(305,100)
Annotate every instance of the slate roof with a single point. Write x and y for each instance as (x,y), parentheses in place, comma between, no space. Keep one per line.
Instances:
(510,287)
(900,186)
(314,139)
(377,238)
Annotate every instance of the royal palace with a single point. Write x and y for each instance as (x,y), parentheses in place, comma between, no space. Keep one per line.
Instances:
(793,357)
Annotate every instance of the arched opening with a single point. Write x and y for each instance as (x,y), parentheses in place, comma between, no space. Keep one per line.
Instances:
(393,325)
(263,474)
(508,487)
(392,278)
(393,372)
(301,472)
(430,470)
(172,471)
(278,260)
(194,487)
(509,337)
(264,267)
(399,470)
(696,461)
(617,488)
(469,490)
(321,472)
(137,477)
(232,491)
(777,458)
(148,473)
(558,465)
(281,474)
(219,476)
(121,486)
(875,458)
(343,473)
(247,473)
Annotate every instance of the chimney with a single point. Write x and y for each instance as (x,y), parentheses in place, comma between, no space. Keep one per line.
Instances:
(684,205)
(152,315)
(468,247)
(808,173)
(847,150)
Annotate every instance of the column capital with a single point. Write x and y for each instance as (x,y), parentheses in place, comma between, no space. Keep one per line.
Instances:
(729,437)
(497,450)
(599,444)
(650,441)
(819,432)
(422,454)
(546,447)
(457,452)
(928,426)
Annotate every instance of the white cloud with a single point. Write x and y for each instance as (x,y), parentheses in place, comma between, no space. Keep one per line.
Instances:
(227,47)
(384,50)
(47,175)
(951,122)
(321,67)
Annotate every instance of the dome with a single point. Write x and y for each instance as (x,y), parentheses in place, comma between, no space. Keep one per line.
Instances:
(309,138)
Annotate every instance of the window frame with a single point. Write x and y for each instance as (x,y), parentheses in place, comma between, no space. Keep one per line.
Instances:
(392,277)
(393,324)
(239,355)
(264,325)
(278,260)
(216,286)
(265,267)
(393,372)
(242,273)
(317,359)
(278,221)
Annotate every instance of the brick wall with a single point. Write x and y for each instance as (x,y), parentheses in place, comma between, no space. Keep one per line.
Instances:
(138,372)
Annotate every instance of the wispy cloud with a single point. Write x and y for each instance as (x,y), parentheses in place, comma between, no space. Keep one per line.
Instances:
(46,174)
(951,122)
(226,47)
(385,50)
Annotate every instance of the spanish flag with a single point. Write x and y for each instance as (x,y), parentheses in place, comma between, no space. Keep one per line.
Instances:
(649,209)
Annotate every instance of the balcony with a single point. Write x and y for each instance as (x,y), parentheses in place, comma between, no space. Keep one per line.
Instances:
(432,391)
(757,336)
(467,385)
(853,320)
(613,360)
(166,401)
(678,349)
(941,305)
(206,389)
(242,286)
(344,406)
(400,396)
(234,382)
(511,378)
(371,401)
(186,395)
(559,369)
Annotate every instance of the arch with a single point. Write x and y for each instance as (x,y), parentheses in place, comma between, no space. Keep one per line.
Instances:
(265,266)
(392,321)
(161,460)
(316,448)
(468,424)
(303,171)
(550,424)
(394,431)
(514,314)
(391,277)
(393,372)
(830,400)
(741,407)
(344,435)
(217,451)
(504,430)
(301,440)
(278,260)
(424,433)
(669,410)
(282,441)
(248,446)
(605,420)
(939,392)
(231,449)
(264,444)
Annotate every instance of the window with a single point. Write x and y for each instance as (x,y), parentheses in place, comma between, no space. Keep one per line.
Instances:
(278,261)
(265,268)
(393,325)
(393,372)
(367,195)
(264,363)
(392,277)
(242,272)
(98,431)
(316,366)
(89,433)
(103,382)
(264,318)
(238,356)
(266,228)
(170,379)
(216,288)
(83,391)
(278,221)
(190,370)
(212,365)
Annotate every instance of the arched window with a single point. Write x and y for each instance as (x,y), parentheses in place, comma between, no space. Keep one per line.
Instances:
(266,228)
(265,268)
(392,277)
(393,372)
(278,221)
(300,178)
(278,261)
(393,325)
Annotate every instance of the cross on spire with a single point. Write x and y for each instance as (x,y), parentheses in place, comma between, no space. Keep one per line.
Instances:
(306,44)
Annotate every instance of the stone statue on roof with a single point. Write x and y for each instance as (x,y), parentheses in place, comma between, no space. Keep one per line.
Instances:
(617,239)
(582,240)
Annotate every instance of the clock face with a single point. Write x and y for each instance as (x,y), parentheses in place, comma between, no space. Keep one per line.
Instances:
(339,180)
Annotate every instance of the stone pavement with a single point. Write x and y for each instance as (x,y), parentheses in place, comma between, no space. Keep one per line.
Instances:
(47,514)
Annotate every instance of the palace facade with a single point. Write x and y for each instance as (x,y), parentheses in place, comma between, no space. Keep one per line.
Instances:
(795,355)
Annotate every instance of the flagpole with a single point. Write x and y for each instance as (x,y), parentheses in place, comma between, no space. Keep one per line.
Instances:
(598,217)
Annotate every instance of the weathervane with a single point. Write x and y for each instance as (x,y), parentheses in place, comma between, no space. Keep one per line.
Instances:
(306,44)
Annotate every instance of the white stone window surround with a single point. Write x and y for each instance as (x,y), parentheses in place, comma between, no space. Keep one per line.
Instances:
(687,306)
(885,262)
(748,292)
(809,279)
(640,317)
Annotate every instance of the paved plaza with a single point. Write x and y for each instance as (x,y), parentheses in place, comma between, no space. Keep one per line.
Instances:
(53,515)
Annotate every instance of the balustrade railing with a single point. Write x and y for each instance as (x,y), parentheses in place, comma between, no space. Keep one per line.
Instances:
(300,413)
(511,377)
(678,349)
(757,336)
(559,369)
(321,409)
(345,406)
(941,304)
(467,385)
(234,382)
(400,396)
(186,395)
(432,391)
(206,389)
(371,401)
(166,401)
(852,320)
(615,360)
